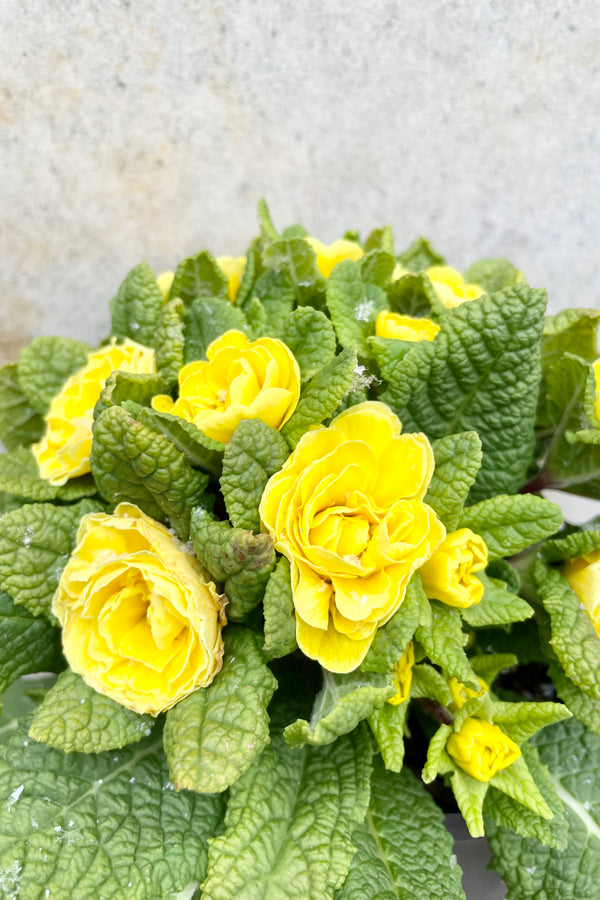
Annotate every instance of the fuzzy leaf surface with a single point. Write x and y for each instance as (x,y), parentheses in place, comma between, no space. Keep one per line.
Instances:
(443,643)
(207,319)
(44,366)
(170,341)
(198,276)
(30,644)
(457,461)
(353,306)
(278,608)
(136,308)
(497,607)
(310,336)
(19,476)
(20,422)
(321,396)
(509,524)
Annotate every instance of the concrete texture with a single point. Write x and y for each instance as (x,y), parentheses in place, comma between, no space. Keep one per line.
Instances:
(149,129)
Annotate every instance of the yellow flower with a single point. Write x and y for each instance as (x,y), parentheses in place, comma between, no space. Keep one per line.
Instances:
(239,380)
(140,622)
(450,287)
(461,693)
(403,675)
(329,257)
(449,574)
(233,268)
(597,381)
(347,511)
(583,574)
(164,282)
(64,450)
(399,272)
(482,749)
(406,328)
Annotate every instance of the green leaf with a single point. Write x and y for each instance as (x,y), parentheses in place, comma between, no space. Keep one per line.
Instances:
(200,451)
(491,664)
(380,239)
(353,306)
(20,423)
(498,606)
(278,608)
(35,544)
(388,726)
(391,639)
(311,338)
(444,642)
(571,545)
(438,761)
(198,276)
(20,699)
(267,229)
(493,275)
(169,341)
(19,476)
(429,683)
(388,352)
(105,825)
(570,331)
(412,295)
(213,736)
(509,524)
(420,256)
(504,571)
(131,462)
(298,260)
(45,365)
(242,561)
(404,851)
(481,374)
(470,794)
(206,320)
(574,639)
(256,317)
(376,267)
(343,702)
(530,869)
(29,644)
(457,461)
(321,396)
(74,717)
(289,823)
(583,707)
(136,308)
(255,452)
(122,386)
(251,273)
(276,294)
(520,721)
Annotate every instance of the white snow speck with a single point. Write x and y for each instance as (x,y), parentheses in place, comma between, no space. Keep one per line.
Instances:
(14,797)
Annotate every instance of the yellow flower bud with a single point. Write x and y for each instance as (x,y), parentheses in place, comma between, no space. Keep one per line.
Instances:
(329,257)
(461,693)
(233,268)
(164,282)
(64,450)
(403,675)
(449,576)
(450,287)
(583,574)
(597,381)
(482,749)
(405,328)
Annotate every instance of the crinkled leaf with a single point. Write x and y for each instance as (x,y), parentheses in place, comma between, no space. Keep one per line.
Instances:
(321,396)
(169,341)
(254,453)
(299,262)
(198,276)
(136,308)
(376,266)
(388,352)
(391,639)
(497,607)
(29,644)
(213,736)
(438,761)
(412,295)
(520,721)
(490,665)
(267,229)
(420,256)
(369,877)
(576,544)
(289,823)
(504,571)
(310,336)
(457,461)
(380,239)
(121,387)
(74,717)
(99,825)
(343,702)
(583,707)
(427,682)
(570,331)
(45,365)
(509,524)
(278,609)
(251,272)
(20,423)
(206,320)
(493,275)
(19,476)
(444,641)
(481,374)
(276,294)
(469,794)
(387,725)
(131,462)
(353,306)
(256,318)
(200,451)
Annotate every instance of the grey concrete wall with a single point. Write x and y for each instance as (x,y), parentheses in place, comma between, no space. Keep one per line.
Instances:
(149,129)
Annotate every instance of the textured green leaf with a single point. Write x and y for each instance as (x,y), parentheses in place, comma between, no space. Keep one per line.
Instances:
(278,608)
(213,736)
(289,823)
(20,423)
(321,396)
(376,266)
(511,524)
(438,761)
(28,644)
(369,877)
(121,387)
(574,639)
(381,239)
(136,308)
(420,256)
(457,461)
(353,306)
(481,374)
(200,451)
(20,699)
(520,721)
(276,294)
(256,316)
(198,276)
(74,717)
(470,794)
(412,295)
(444,642)
(255,452)
(493,275)
(242,561)
(391,639)
(19,476)
(429,683)
(35,544)
(343,702)
(576,544)
(267,229)
(530,869)
(504,571)
(498,606)
(206,320)
(388,352)
(251,273)
(491,664)
(131,462)
(298,260)
(8,503)
(310,336)
(98,826)
(169,341)
(583,707)
(570,331)
(45,365)
(388,726)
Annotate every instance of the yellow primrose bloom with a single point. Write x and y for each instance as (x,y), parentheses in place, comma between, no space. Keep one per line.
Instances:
(233,269)
(329,257)
(450,287)
(482,749)
(449,575)
(597,381)
(403,675)
(347,511)
(141,624)
(164,282)
(399,272)
(240,379)
(64,450)
(405,328)
(461,693)
(583,574)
